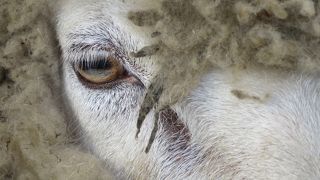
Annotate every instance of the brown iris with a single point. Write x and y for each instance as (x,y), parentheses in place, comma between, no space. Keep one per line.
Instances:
(100,72)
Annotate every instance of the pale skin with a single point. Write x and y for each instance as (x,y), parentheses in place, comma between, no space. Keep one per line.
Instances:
(257,123)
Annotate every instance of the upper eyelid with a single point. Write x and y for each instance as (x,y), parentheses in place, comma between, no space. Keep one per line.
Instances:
(100,40)
(74,56)
(102,37)
(91,52)
(91,40)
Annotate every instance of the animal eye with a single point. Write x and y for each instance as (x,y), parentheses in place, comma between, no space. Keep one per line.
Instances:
(100,72)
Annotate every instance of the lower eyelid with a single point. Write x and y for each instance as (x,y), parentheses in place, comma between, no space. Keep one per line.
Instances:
(115,84)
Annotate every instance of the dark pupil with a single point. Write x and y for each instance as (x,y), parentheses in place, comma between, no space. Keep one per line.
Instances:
(102,64)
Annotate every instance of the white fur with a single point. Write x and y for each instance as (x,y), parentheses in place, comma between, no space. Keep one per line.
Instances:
(273,136)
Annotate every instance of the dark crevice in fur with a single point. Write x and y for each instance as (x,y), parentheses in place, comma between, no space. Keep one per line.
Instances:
(174,129)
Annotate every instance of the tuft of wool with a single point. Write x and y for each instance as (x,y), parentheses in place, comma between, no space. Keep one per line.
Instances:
(34,143)
(197,35)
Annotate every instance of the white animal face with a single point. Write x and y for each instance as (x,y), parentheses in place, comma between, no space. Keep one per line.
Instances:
(255,124)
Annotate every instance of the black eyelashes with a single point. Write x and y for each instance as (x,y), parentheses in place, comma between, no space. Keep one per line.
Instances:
(102,63)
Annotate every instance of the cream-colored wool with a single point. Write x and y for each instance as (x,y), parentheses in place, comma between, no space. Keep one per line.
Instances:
(199,34)
(33,139)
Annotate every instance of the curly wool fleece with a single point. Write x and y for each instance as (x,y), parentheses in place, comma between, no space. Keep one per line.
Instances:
(196,35)
(33,137)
